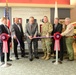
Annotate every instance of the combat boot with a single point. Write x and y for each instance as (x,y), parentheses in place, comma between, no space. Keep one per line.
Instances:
(44,56)
(48,56)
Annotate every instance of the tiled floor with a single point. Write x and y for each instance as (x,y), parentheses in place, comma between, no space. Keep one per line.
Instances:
(39,67)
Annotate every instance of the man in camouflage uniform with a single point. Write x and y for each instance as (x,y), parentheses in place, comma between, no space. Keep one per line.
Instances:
(46,42)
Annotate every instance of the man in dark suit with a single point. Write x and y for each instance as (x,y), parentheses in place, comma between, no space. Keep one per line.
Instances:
(31,32)
(5,29)
(57,27)
(18,35)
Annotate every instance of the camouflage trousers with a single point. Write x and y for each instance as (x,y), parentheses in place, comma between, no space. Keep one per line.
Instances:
(46,45)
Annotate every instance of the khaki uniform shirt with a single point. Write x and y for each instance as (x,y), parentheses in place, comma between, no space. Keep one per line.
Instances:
(69,31)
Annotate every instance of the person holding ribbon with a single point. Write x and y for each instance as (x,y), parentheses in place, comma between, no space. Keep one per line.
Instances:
(18,38)
(5,29)
(68,33)
(46,42)
(31,32)
(57,27)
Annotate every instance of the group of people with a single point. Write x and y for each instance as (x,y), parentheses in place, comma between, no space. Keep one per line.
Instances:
(31,34)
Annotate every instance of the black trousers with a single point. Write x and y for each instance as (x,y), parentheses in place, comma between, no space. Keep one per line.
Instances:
(21,47)
(61,52)
(2,54)
(35,46)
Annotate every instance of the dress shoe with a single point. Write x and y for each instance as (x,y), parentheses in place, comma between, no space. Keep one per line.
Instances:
(2,60)
(60,62)
(9,60)
(53,61)
(37,57)
(22,56)
(54,57)
(66,57)
(61,59)
(17,58)
(1,63)
(31,59)
(70,60)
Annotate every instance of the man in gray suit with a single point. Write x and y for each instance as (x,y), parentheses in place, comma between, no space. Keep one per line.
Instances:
(31,32)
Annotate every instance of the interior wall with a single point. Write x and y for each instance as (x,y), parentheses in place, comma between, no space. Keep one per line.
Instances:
(73,11)
(25,13)
(73,14)
(62,13)
(1,12)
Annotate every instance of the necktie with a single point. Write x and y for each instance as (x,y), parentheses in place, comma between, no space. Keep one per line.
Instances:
(55,26)
(31,27)
(19,28)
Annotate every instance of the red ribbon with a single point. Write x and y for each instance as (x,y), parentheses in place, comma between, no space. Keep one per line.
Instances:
(4,38)
(75,36)
(57,38)
(5,47)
